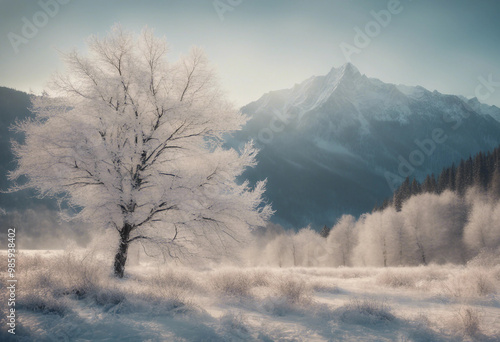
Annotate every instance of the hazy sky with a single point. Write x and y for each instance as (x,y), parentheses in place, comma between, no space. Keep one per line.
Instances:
(260,45)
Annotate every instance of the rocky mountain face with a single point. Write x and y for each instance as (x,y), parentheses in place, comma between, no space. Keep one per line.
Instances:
(340,143)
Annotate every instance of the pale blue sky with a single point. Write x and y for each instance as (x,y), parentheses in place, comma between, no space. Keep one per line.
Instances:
(266,45)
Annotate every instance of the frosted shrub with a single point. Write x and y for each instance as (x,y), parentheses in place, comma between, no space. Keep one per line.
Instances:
(468,322)
(431,273)
(233,283)
(422,278)
(495,273)
(42,278)
(354,273)
(69,274)
(42,301)
(27,263)
(396,279)
(324,285)
(486,258)
(46,281)
(484,284)
(175,278)
(261,277)
(289,294)
(151,299)
(80,276)
(174,284)
(471,283)
(109,297)
(295,291)
(365,311)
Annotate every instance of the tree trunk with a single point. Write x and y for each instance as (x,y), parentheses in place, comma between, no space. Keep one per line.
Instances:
(384,253)
(422,252)
(400,249)
(121,255)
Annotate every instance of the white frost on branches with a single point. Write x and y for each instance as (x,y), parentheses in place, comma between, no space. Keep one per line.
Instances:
(132,139)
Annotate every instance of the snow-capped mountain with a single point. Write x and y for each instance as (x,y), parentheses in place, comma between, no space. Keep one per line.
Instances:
(339,143)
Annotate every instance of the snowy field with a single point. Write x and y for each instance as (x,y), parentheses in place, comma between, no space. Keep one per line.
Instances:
(65,296)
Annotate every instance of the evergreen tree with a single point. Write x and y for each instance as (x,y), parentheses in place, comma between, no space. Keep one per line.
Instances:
(451,178)
(428,184)
(442,183)
(494,184)
(468,172)
(482,170)
(460,179)
(402,194)
(415,187)
(325,232)
(387,202)
(494,187)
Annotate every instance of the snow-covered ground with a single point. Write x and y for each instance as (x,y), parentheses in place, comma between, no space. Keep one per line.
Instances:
(65,296)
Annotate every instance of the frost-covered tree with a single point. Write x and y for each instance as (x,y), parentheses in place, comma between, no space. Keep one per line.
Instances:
(135,143)
(272,246)
(435,227)
(342,240)
(413,225)
(494,188)
(308,248)
(483,227)
(375,239)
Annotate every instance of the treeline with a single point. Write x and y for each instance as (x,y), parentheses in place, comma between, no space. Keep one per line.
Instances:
(450,219)
(430,228)
(481,171)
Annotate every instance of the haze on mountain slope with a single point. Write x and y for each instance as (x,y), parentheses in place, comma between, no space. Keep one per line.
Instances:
(339,143)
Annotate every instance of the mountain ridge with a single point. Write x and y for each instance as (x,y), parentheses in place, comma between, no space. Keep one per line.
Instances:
(328,143)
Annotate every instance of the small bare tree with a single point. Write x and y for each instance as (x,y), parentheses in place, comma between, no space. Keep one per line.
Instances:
(135,143)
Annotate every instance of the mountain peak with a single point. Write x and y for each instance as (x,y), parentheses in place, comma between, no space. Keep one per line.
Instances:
(473,100)
(348,138)
(350,68)
(346,69)
(346,74)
